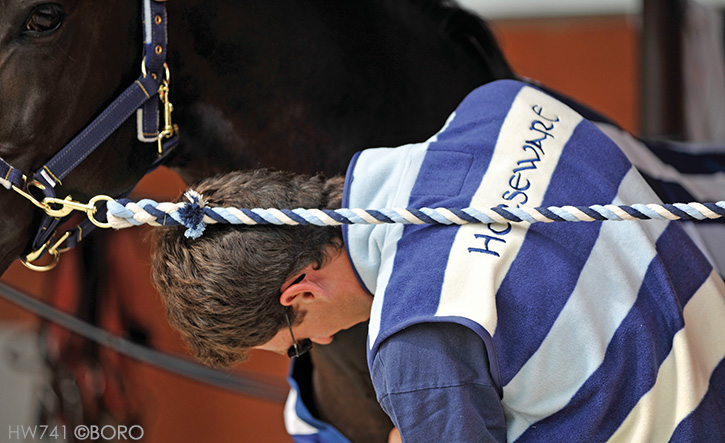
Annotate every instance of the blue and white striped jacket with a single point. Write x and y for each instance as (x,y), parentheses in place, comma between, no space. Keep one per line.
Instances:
(606,331)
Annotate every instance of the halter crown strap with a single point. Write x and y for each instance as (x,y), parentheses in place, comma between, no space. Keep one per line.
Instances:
(104,125)
(138,93)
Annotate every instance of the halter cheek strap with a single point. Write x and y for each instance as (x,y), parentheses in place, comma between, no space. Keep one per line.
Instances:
(154,80)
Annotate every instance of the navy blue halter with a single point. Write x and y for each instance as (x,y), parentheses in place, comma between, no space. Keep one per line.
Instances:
(136,98)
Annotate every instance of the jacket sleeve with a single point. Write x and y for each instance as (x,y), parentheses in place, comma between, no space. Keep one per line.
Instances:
(433,380)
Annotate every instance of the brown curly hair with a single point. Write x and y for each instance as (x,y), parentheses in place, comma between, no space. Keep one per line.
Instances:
(221,291)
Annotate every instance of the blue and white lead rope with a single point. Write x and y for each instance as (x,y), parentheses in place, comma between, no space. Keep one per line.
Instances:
(195,214)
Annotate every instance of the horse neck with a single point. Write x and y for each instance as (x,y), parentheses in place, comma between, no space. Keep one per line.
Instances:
(409,56)
(315,75)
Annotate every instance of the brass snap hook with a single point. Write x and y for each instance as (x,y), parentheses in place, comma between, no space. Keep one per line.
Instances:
(56,207)
(59,208)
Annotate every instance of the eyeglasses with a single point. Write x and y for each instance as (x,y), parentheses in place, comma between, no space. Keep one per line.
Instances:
(305,345)
(300,348)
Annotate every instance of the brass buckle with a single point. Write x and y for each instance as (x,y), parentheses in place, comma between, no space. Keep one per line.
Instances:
(169,129)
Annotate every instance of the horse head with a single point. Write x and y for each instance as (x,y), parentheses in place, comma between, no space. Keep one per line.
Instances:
(60,64)
(317,83)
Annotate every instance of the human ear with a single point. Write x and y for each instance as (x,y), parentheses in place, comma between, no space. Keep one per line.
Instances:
(303,289)
(288,296)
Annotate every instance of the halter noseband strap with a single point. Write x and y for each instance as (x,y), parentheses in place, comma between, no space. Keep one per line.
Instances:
(137,97)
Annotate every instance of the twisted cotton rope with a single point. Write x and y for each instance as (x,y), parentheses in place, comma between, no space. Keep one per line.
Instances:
(195,214)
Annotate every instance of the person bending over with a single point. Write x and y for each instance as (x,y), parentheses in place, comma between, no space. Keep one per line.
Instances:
(500,332)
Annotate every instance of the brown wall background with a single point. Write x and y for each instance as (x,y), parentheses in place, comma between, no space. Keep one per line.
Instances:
(593,59)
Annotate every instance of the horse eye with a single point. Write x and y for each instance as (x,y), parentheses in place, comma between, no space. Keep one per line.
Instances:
(44,20)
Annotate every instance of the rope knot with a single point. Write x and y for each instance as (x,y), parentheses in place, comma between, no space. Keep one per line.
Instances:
(192,214)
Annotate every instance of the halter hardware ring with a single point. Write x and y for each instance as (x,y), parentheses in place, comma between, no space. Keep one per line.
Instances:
(92,211)
(41,268)
(52,250)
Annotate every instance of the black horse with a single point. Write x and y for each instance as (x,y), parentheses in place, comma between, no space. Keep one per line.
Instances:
(286,84)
